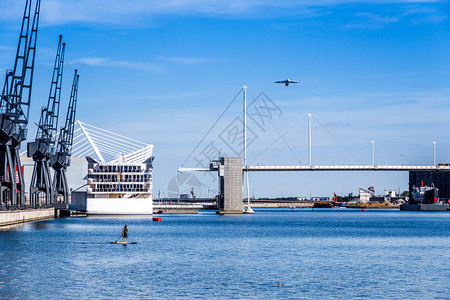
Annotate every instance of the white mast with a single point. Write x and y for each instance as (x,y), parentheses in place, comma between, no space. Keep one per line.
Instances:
(309,139)
(245,125)
(249,210)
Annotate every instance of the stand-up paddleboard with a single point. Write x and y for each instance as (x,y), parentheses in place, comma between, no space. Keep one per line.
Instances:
(123,243)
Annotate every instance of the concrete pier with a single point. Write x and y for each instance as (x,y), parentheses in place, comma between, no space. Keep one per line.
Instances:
(23,216)
(176,209)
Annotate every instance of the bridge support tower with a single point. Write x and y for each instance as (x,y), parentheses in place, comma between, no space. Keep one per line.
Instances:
(230,185)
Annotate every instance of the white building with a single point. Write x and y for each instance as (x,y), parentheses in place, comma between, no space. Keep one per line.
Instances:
(366,194)
(117,179)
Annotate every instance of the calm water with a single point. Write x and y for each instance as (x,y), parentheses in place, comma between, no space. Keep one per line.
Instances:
(338,253)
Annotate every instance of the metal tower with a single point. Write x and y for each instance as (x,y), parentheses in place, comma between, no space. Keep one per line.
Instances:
(43,146)
(61,159)
(14,110)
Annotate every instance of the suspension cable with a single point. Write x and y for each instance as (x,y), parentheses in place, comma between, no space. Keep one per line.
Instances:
(212,127)
(340,142)
(344,153)
(268,149)
(396,159)
(282,137)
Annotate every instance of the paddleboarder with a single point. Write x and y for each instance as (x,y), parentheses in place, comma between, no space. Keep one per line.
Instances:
(124,233)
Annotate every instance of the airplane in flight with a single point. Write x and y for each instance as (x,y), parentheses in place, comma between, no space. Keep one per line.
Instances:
(287,81)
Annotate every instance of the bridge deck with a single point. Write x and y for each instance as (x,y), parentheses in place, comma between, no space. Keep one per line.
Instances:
(405,168)
(349,168)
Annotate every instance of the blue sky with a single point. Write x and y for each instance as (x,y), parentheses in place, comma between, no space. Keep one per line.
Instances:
(162,73)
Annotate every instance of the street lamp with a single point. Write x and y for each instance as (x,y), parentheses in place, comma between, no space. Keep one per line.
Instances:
(434,153)
(373,154)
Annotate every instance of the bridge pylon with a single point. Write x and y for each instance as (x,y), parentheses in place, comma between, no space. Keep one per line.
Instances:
(230,185)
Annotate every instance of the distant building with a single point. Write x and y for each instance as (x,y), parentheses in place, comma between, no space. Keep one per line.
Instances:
(321,199)
(366,194)
(390,193)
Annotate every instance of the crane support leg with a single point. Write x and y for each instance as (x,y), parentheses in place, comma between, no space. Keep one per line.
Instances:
(21,184)
(10,176)
(60,185)
(41,183)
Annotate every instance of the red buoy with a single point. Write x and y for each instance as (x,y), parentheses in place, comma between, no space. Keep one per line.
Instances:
(363,209)
(157,219)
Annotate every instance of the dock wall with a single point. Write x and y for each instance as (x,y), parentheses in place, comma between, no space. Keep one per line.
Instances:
(23,216)
(425,207)
(279,204)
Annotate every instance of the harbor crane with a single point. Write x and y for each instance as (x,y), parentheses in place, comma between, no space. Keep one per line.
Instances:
(61,159)
(14,110)
(43,146)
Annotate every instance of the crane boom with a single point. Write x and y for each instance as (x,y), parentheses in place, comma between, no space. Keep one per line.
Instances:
(61,159)
(16,95)
(14,110)
(14,78)
(67,136)
(48,123)
(42,148)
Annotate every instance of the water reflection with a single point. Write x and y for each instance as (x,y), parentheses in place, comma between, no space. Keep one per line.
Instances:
(39,225)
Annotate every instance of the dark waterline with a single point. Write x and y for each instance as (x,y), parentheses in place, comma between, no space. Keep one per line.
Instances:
(329,253)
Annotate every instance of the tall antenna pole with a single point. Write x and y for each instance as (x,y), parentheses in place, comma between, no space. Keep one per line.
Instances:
(249,210)
(245,125)
(373,152)
(309,139)
(434,153)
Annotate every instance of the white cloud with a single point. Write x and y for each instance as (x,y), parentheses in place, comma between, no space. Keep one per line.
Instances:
(378,19)
(139,12)
(106,62)
(415,14)
(186,60)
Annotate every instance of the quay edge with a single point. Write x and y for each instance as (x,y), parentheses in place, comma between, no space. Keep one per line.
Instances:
(23,216)
(425,207)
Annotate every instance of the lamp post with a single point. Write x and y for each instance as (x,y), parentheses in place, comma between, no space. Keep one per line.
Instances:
(434,153)
(309,139)
(373,152)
